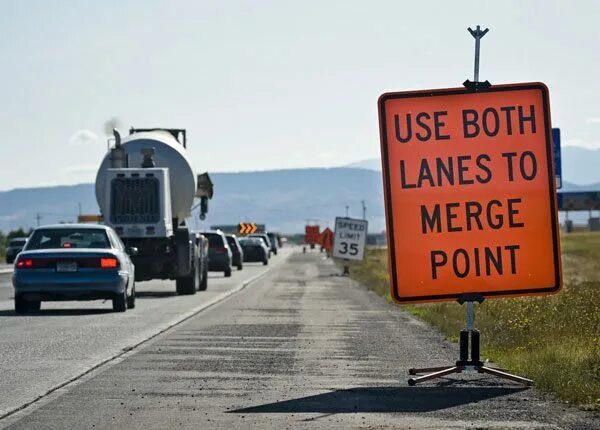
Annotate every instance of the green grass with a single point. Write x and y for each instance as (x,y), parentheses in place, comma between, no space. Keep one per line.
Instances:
(555,340)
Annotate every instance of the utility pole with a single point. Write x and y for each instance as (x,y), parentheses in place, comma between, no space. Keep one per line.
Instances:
(364,208)
(347,208)
(38,217)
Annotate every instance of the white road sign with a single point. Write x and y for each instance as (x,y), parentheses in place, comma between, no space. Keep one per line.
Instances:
(350,238)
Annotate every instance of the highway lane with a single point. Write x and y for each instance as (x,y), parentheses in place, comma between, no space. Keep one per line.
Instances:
(300,348)
(43,350)
(6,289)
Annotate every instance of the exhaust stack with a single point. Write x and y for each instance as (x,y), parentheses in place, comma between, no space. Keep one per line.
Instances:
(118,157)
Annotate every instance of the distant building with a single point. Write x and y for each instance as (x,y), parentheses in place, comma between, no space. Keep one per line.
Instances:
(377,239)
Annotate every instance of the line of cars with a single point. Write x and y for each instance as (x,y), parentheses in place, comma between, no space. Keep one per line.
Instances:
(90,262)
(226,251)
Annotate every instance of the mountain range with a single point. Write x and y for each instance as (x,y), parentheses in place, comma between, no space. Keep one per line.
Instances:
(284,200)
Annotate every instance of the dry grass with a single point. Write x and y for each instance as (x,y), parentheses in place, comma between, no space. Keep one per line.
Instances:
(554,340)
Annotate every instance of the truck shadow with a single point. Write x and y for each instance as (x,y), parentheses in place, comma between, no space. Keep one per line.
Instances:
(56,312)
(384,399)
(154,294)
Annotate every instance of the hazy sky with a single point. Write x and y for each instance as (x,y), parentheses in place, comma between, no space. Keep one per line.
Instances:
(266,84)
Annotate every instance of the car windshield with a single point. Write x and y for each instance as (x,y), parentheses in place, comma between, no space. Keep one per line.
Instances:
(231,242)
(17,242)
(68,238)
(214,240)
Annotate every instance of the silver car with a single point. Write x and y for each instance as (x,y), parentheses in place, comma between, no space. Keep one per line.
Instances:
(74,262)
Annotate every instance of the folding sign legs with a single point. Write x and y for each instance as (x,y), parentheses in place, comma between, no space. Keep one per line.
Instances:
(464,364)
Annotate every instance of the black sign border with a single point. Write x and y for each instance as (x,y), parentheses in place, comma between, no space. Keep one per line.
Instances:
(388,195)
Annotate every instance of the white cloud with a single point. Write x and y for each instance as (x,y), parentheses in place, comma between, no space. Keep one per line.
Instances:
(582,143)
(593,120)
(83,137)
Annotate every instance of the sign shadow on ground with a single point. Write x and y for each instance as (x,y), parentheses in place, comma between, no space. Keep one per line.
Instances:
(384,399)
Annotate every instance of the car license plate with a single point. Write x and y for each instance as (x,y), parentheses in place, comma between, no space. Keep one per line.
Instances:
(66,266)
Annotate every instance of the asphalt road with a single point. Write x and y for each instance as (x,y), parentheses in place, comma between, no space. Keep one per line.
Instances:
(300,348)
(41,351)
(6,289)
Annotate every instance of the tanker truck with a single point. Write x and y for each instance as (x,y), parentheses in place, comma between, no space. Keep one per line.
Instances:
(146,188)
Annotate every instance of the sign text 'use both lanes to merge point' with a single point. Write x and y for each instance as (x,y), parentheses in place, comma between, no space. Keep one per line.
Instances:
(470,193)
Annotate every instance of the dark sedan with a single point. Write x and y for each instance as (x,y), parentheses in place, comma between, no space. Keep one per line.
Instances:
(237,253)
(219,253)
(255,250)
(274,242)
(14,247)
(265,238)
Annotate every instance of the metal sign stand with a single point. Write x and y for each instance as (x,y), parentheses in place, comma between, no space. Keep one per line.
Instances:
(463,362)
(346,271)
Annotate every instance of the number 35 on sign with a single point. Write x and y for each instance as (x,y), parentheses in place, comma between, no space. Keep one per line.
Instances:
(350,238)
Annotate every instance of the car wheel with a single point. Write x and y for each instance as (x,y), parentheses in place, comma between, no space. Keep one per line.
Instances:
(119,302)
(20,305)
(131,298)
(228,272)
(275,252)
(187,285)
(204,282)
(265,261)
(240,266)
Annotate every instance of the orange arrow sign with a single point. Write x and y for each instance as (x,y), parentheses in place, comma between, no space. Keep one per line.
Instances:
(247,228)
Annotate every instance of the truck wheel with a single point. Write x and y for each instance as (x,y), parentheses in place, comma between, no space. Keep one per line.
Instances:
(227,272)
(131,298)
(119,302)
(187,285)
(20,305)
(204,281)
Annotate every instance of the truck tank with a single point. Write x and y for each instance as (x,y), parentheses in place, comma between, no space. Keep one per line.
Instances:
(168,153)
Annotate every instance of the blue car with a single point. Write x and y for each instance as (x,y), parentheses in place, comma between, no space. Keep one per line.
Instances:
(74,262)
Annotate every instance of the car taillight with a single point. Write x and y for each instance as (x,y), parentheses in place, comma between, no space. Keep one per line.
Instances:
(25,263)
(109,263)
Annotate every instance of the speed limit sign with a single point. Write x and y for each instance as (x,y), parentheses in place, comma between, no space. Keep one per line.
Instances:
(350,238)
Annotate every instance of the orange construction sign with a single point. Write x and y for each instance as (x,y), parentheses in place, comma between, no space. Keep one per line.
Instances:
(470,193)
(327,239)
(89,218)
(311,234)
